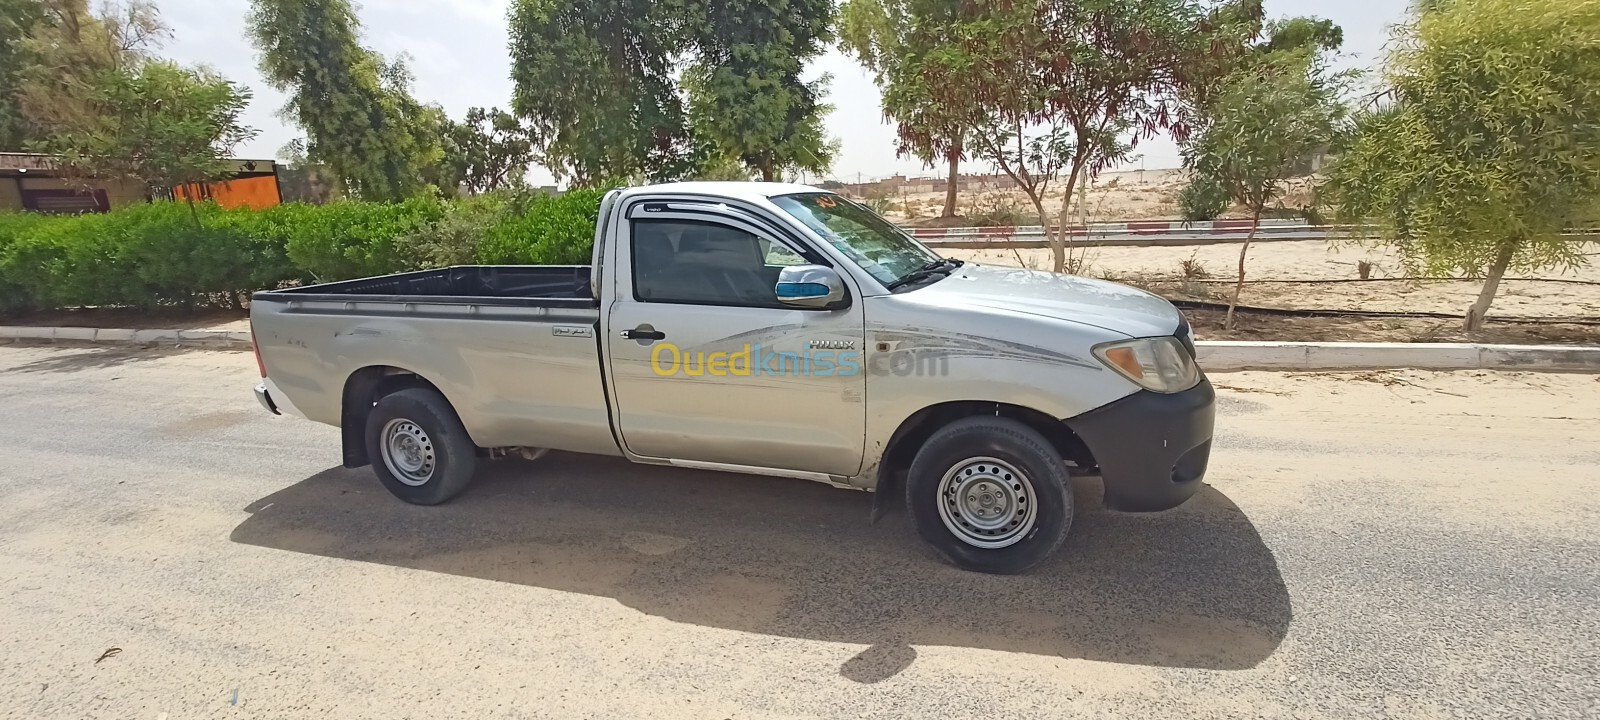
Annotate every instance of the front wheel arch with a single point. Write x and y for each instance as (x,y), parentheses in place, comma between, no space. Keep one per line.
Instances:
(921,425)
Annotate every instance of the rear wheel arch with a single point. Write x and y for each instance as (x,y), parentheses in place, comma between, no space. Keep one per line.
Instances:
(363,389)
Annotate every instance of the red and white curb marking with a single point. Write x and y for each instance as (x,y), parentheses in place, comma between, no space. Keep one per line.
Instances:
(1153,228)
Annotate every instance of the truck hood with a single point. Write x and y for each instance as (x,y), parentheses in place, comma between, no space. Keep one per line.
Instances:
(1106,305)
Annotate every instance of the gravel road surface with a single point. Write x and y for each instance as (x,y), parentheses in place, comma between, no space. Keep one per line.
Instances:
(1370,545)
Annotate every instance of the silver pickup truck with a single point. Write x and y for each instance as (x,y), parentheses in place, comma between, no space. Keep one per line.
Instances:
(766,329)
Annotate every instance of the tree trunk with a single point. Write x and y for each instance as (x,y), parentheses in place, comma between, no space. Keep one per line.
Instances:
(1058,248)
(1238,287)
(1491,286)
(1065,218)
(768,174)
(954,156)
(193,212)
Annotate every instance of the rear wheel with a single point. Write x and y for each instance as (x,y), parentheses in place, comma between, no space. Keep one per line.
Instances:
(421,452)
(991,495)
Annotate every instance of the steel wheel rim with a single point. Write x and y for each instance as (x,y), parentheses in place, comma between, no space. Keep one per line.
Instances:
(987,503)
(408,452)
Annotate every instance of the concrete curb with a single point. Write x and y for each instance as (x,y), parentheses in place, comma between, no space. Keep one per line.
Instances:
(1215,355)
(220,339)
(1226,356)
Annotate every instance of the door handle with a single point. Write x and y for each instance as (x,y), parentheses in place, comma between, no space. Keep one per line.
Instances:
(641,334)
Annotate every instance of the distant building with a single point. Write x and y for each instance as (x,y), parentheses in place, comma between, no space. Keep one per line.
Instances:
(31,182)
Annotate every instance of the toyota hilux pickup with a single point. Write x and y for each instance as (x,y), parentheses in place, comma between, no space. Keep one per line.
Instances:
(767,329)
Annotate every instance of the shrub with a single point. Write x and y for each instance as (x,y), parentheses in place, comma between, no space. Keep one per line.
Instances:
(544,229)
(16,258)
(456,237)
(157,253)
(995,210)
(1203,199)
(350,238)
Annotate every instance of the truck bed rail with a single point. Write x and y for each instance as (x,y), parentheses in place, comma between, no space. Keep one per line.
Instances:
(551,286)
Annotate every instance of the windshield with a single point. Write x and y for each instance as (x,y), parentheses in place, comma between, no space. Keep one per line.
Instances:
(877,245)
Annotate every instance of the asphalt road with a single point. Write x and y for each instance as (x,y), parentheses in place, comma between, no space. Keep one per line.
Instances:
(1406,545)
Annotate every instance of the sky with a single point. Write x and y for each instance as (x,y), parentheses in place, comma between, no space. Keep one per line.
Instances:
(459,57)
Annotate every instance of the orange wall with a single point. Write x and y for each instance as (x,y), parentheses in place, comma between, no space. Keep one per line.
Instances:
(257,193)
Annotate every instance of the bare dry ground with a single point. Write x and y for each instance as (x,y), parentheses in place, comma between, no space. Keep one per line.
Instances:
(1114,196)
(1205,273)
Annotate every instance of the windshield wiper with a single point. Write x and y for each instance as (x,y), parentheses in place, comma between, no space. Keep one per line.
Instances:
(944,265)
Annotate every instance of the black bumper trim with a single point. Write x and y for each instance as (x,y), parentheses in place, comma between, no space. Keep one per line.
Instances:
(1152,448)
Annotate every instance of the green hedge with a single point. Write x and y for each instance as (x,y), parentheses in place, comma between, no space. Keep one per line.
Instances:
(171,254)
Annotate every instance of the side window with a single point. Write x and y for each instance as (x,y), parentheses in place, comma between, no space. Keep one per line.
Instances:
(705,263)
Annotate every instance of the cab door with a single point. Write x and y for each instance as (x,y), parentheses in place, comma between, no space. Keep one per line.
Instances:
(707,367)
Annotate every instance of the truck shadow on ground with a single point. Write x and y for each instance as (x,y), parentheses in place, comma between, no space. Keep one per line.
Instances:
(1193,587)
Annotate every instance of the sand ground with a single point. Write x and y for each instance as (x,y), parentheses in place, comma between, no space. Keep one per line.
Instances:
(1316,260)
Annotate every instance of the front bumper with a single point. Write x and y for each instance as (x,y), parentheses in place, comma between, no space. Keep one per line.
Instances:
(1152,448)
(265,398)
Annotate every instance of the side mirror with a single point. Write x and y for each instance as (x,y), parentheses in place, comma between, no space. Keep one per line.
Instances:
(813,287)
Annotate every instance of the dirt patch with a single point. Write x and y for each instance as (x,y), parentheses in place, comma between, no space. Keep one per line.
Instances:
(1314,275)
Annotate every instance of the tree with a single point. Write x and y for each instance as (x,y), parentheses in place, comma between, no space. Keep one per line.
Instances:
(879,33)
(355,107)
(1086,78)
(487,151)
(1487,143)
(1258,127)
(62,53)
(745,91)
(595,80)
(18,18)
(158,124)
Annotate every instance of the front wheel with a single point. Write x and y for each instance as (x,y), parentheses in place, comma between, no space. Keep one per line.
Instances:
(991,495)
(420,450)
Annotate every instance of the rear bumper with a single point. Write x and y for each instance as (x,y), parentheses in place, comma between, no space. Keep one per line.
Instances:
(1152,448)
(265,398)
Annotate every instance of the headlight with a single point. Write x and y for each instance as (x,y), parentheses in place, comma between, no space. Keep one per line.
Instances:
(1160,363)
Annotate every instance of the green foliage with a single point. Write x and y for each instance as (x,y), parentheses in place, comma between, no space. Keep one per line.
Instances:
(141,256)
(18,18)
(354,239)
(58,59)
(156,123)
(598,83)
(356,108)
(1262,122)
(745,91)
(595,79)
(545,229)
(487,151)
(155,254)
(889,37)
(1064,86)
(1490,144)
(1203,199)
(1302,33)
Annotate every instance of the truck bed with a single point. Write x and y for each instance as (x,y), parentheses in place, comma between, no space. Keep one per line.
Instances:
(563,286)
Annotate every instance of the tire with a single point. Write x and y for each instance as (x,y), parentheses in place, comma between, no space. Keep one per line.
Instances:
(419,449)
(1007,504)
